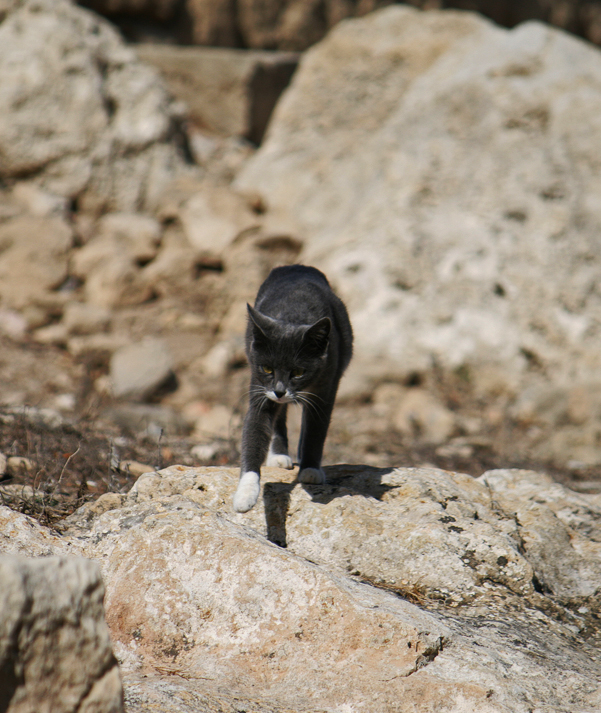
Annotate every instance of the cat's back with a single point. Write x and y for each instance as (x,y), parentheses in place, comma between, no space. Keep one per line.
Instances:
(293,279)
(295,294)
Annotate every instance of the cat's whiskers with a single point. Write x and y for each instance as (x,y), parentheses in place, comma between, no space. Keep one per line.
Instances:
(305,397)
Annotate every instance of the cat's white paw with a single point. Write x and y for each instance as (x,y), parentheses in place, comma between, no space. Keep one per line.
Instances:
(247,492)
(312,475)
(278,460)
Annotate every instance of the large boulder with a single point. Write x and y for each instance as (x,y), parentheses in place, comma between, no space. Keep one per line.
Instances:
(55,648)
(397,590)
(80,114)
(443,173)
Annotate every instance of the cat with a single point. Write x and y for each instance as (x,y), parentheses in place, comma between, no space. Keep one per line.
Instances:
(299,341)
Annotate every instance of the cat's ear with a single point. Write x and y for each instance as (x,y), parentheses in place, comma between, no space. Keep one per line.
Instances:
(315,341)
(261,324)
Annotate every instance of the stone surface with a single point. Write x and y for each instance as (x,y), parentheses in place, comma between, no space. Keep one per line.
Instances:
(22,535)
(438,169)
(80,318)
(495,614)
(81,117)
(55,650)
(33,259)
(445,536)
(212,219)
(266,619)
(418,414)
(139,369)
(230,92)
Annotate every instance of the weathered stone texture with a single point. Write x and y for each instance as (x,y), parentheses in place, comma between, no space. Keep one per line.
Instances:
(55,651)
(79,113)
(443,173)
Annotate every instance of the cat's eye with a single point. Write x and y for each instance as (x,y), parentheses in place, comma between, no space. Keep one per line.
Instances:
(297,372)
(267,370)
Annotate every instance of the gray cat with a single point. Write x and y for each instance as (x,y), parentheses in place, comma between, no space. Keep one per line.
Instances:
(299,341)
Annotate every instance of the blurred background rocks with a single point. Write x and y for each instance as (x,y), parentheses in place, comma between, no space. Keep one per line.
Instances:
(441,170)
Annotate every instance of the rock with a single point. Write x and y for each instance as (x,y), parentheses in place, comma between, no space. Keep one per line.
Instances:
(213,218)
(229,621)
(138,235)
(230,92)
(552,520)
(420,415)
(135,468)
(104,344)
(33,259)
(19,464)
(22,535)
(82,117)
(38,202)
(3,464)
(294,25)
(52,334)
(55,650)
(376,151)
(80,318)
(150,420)
(323,617)
(138,370)
(110,261)
(418,526)
(262,612)
(219,359)
(205,451)
(215,422)
(12,323)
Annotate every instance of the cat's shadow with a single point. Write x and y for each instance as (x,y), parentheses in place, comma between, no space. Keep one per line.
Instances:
(342,480)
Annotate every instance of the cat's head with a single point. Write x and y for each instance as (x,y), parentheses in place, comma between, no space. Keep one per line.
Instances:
(285,359)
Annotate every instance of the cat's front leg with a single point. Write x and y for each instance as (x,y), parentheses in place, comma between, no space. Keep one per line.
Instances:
(310,449)
(278,448)
(256,436)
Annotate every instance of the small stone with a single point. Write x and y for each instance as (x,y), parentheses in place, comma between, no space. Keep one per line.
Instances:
(205,452)
(19,464)
(138,370)
(217,421)
(420,415)
(52,334)
(3,464)
(12,323)
(133,467)
(83,318)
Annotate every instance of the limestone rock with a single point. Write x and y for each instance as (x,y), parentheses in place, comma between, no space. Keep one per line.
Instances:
(22,535)
(81,116)
(33,259)
(419,414)
(438,169)
(80,318)
(137,370)
(137,234)
(230,92)
(420,528)
(152,420)
(213,218)
(110,261)
(344,629)
(224,610)
(55,650)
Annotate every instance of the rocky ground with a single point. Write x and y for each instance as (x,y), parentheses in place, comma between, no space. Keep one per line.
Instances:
(69,444)
(435,167)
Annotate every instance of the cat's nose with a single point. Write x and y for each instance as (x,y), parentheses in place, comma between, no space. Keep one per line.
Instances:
(279,390)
